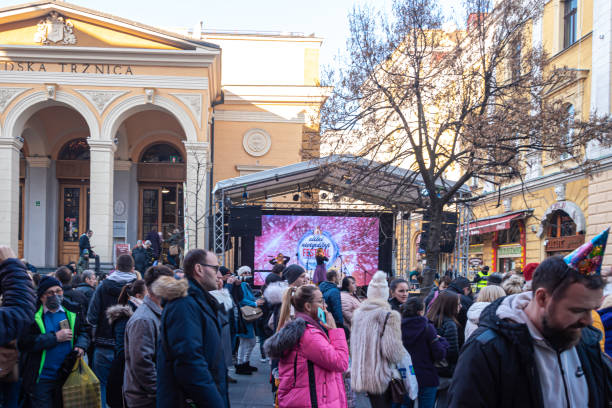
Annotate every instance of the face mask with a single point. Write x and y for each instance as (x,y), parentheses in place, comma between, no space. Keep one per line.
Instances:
(321,315)
(54,302)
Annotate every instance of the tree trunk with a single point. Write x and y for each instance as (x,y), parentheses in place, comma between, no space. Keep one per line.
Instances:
(432,249)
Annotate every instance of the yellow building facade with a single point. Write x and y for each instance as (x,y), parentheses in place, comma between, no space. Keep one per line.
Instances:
(118,127)
(559,205)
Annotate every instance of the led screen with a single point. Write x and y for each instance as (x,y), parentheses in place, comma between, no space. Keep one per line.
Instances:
(350,243)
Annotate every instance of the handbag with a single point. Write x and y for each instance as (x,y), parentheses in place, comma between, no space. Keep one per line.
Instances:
(173,250)
(250,313)
(9,363)
(398,390)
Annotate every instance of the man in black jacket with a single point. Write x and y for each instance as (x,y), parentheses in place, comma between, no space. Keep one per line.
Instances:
(86,253)
(190,359)
(462,287)
(537,349)
(105,296)
(71,295)
(56,338)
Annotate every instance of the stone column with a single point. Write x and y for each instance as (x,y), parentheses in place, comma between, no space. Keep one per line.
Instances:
(196,194)
(9,192)
(36,210)
(101,197)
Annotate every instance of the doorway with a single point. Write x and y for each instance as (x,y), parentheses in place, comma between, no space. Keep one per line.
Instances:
(74,219)
(161,208)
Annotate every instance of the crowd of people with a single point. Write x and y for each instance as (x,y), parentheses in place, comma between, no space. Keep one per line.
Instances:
(155,336)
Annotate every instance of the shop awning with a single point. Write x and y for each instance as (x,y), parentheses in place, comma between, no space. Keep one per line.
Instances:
(497,223)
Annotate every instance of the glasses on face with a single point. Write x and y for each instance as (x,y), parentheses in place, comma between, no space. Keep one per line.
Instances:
(51,292)
(214,267)
(319,301)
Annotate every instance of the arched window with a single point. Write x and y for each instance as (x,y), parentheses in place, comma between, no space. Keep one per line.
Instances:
(76,149)
(161,153)
(561,225)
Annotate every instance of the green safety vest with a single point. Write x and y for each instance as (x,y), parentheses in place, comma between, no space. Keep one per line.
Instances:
(483,280)
(41,325)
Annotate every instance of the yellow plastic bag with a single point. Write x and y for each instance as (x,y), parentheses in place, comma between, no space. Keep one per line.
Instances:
(82,388)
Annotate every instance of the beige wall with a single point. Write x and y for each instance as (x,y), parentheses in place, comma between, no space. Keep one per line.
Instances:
(600,205)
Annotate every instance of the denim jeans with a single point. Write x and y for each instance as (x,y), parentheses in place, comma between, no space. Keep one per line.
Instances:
(44,394)
(426,398)
(103,359)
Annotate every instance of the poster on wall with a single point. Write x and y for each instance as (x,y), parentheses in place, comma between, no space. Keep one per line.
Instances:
(349,243)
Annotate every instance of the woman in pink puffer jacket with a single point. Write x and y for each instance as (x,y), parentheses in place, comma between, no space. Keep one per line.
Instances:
(313,355)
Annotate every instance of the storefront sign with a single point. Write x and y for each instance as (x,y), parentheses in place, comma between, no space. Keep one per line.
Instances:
(105,69)
(564,243)
(510,251)
(476,249)
(475,262)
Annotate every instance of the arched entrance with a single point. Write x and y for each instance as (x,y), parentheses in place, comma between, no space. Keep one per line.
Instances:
(161,175)
(563,227)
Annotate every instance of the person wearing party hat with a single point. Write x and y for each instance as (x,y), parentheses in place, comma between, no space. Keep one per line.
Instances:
(538,348)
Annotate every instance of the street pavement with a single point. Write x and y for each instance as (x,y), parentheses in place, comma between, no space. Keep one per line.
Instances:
(254,391)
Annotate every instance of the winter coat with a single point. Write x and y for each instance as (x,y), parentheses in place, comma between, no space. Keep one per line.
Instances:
(303,343)
(606,320)
(190,359)
(118,316)
(224,299)
(473,316)
(84,244)
(141,259)
(141,338)
(18,300)
(371,371)
(247,300)
(36,341)
(77,297)
(395,305)
(421,340)
(105,296)
(450,331)
(349,304)
(274,299)
(156,243)
(331,294)
(497,366)
(88,291)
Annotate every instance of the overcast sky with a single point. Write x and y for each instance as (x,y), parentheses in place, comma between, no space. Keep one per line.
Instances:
(325,18)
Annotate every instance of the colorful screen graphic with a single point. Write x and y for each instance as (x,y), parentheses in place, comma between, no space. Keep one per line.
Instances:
(350,243)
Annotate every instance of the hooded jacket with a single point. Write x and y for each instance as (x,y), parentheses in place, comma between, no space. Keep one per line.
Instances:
(503,348)
(141,337)
(18,300)
(473,316)
(190,359)
(303,341)
(274,299)
(371,371)
(118,316)
(105,296)
(425,347)
(331,294)
(457,286)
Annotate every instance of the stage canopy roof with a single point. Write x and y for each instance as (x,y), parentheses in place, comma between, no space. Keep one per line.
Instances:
(354,177)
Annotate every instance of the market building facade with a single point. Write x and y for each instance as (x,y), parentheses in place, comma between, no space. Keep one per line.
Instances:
(114,126)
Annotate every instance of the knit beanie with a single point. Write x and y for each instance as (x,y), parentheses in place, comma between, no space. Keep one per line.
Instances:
(45,283)
(528,271)
(293,272)
(378,289)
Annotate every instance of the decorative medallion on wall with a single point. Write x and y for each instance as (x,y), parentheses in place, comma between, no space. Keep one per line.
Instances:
(55,29)
(257,142)
(119,208)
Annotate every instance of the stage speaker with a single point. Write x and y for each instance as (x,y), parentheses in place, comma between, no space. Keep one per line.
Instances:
(447,234)
(245,221)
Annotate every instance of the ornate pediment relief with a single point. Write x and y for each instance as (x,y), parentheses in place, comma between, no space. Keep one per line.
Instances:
(55,29)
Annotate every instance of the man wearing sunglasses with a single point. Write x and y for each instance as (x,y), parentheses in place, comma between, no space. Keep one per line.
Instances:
(191,369)
(537,348)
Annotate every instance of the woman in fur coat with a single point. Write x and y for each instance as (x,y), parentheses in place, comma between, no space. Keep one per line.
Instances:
(313,354)
(374,356)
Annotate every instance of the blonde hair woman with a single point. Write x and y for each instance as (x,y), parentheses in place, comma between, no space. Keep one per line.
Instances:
(486,296)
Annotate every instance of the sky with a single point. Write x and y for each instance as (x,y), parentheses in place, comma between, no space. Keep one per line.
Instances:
(325,18)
